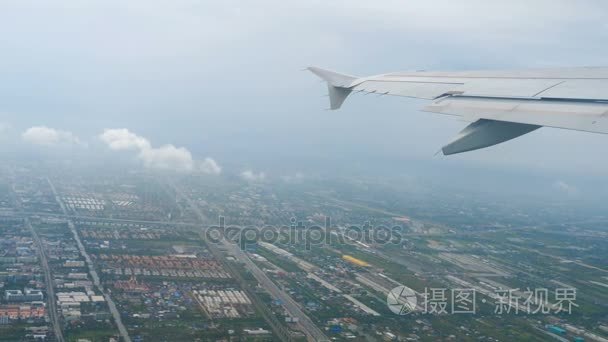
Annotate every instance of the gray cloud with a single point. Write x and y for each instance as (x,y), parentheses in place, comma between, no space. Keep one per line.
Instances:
(566,188)
(297,177)
(210,166)
(174,70)
(4,127)
(251,176)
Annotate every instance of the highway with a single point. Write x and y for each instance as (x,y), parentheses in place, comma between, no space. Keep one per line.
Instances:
(111,305)
(103,219)
(312,332)
(48,279)
(310,329)
(50,288)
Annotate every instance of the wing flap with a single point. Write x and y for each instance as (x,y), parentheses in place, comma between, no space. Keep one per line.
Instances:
(483,133)
(582,116)
(508,87)
(578,89)
(429,88)
(422,90)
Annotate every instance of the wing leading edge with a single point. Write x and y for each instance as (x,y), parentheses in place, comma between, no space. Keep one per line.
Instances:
(500,105)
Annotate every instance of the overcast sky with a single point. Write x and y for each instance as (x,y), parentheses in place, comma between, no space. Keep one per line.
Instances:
(222,80)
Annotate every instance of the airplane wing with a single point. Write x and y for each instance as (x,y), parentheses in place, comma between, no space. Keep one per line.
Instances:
(501,105)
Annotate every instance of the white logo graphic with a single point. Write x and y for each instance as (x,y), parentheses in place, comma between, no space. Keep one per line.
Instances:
(402,300)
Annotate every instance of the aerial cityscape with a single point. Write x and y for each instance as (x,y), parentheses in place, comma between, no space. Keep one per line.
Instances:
(113,256)
(303,171)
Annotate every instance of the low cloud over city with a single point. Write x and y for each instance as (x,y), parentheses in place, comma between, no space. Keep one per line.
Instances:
(252,176)
(165,157)
(46,136)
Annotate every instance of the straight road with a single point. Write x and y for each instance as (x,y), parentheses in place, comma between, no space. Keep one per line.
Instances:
(104,219)
(50,287)
(111,305)
(310,329)
(312,332)
(48,279)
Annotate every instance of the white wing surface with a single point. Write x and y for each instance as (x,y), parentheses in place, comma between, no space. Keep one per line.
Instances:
(501,105)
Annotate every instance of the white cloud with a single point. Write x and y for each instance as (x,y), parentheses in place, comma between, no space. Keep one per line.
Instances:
(123,139)
(166,157)
(210,166)
(251,176)
(566,188)
(42,135)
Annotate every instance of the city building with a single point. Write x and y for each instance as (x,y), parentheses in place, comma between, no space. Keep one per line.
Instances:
(28,295)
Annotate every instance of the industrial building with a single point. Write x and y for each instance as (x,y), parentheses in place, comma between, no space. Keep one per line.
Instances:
(27,295)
